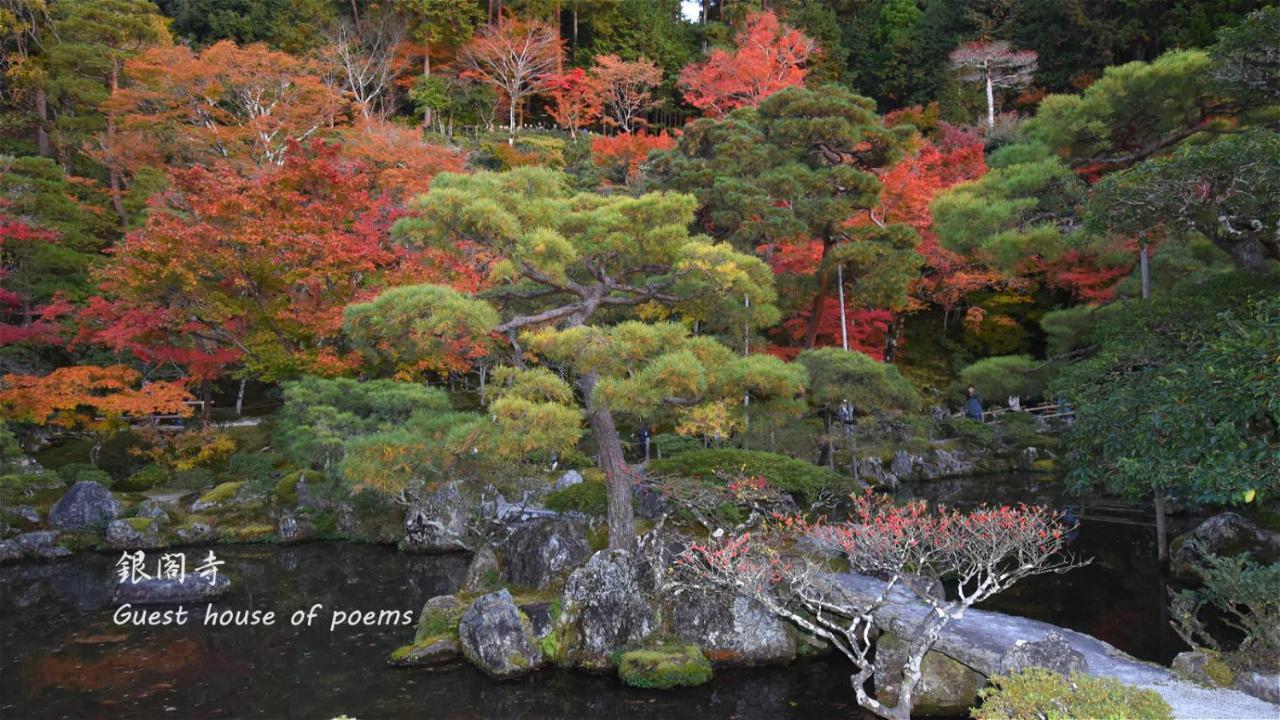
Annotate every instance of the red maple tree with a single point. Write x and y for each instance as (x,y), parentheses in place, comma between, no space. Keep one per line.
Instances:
(575,99)
(767,57)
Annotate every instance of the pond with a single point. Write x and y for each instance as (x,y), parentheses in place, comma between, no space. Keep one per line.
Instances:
(61,655)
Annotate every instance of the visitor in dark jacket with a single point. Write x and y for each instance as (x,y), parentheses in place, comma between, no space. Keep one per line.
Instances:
(973,405)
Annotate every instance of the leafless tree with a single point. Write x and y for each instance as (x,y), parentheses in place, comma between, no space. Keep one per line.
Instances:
(787,568)
(361,58)
(994,65)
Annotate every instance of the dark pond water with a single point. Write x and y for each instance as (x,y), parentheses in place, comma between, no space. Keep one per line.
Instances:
(62,656)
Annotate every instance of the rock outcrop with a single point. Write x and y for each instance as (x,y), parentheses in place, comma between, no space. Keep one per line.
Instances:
(497,638)
(483,571)
(947,687)
(539,552)
(133,533)
(86,506)
(731,629)
(605,609)
(438,524)
(1224,534)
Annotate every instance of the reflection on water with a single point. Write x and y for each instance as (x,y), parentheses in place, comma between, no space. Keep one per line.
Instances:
(62,656)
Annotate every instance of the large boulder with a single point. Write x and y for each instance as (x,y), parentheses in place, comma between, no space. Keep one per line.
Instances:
(483,572)
(604,608)
(169,591)
(86,506)
(1052,653)
(1225,534)
(133,533)
(497,638)
(731,629)
(947,687)
(438,524)
(537,553)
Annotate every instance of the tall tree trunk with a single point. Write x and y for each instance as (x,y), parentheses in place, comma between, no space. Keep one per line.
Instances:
(113,170)
(617,475)
(1146,271)
(1162,532)
(991,104)
(426,73)
(819,299)
(511,121)
(42,120)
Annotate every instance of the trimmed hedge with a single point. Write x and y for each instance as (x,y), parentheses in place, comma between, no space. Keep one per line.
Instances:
(803,480)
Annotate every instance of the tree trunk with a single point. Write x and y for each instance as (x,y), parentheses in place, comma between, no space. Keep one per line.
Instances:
(844,321)
(991,104)
(819,299)
(617,475)
(1162,532)
(1146,272)
(42,120)
(511,121)
(1249,254)
(113,171)
(426,73)
(240,397)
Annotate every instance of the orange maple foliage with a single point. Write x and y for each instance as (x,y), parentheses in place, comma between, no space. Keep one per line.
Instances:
(243,104)
(89,397)
(767,57)
(403,165)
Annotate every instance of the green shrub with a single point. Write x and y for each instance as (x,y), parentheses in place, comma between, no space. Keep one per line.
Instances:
(1241,591)
(196,478)
(145,478)
(1039,694)
(669,445)
(996,378)
(77,472)
(1017,428)
(1068,329)
(589,497)
(970,432)
(835,375)
(250,468)
(665,666)
(801,479)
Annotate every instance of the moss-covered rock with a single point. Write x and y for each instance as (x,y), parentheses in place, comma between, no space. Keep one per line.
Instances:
(665,666)
(218,496)
(439,617)
(286,492)
(431,650)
